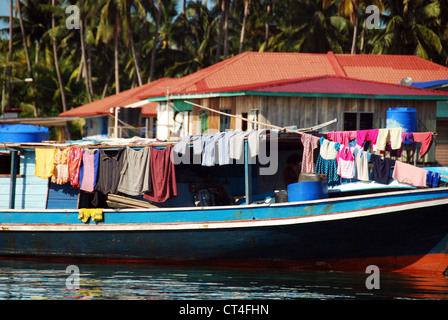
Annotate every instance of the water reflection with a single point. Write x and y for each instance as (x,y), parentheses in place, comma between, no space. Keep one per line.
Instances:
(42,280)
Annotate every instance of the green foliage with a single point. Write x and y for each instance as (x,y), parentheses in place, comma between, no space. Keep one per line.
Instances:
(188,40)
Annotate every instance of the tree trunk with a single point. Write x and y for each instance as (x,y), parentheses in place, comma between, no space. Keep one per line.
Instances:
(83,53)
(156,40)
(131,39)
(266,32)
(116,57)
(243,28)
(355,34)
(226,27)
(221,32)
(58,71)
(11,48)
(27,54)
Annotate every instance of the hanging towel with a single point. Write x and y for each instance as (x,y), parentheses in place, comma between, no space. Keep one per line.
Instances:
(395,138)
(134,176)
(381,141)
(425,138)
(88,171)
(310,143)
(95,214)
(44,165)
(406,173)
(163,175)
(366,135)
(74,165)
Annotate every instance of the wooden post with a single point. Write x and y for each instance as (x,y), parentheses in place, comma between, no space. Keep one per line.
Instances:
(247,173)
(13,179)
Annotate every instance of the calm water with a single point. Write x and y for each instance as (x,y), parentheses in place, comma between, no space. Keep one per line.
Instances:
(26,280)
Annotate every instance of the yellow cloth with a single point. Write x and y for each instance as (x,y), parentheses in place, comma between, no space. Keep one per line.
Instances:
(385,135)
(44,166)
(95,214)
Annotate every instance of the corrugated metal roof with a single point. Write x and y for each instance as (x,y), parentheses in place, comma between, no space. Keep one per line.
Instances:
(248,69)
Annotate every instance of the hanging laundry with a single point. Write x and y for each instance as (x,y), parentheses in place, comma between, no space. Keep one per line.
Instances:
(432,179)
(426,139)
(163,176)
(60,175)
(95,214)
(209,151)
(88,171)
(224,148)
(74,165)
(406,173)
(343,137)
(134,176)
(381,169)
(362,159)
(393,135)
(109,168)
(407,138)
(346,163)
(326,162)
(181,146)
(366,135)
(44,163)
(310,143)
(236,144)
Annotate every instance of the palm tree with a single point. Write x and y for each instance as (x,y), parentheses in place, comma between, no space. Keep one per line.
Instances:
(352,9)
(243,28)
(412,29)
(156,40)
(317,29)
(56,61)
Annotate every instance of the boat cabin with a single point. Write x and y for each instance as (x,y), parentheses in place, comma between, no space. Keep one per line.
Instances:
(211,169)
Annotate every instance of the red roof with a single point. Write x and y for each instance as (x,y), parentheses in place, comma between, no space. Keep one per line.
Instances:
(251,68)
(124,98)
(343,85)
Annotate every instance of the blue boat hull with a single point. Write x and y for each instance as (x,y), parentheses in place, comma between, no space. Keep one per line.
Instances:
(410,234)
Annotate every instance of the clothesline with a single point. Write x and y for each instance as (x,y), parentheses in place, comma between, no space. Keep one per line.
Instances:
(340,161)
(148,172)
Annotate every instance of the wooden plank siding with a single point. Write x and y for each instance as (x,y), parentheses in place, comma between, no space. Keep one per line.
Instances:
(308,111)
(31,191)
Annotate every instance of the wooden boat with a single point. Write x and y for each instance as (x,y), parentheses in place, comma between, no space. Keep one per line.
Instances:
(400,230)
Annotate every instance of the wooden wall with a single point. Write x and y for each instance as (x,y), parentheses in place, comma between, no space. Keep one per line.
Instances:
(308,111)
(31,191)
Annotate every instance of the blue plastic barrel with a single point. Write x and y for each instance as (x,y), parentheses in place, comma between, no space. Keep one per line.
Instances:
(405,118)
(308,190)
(23,133)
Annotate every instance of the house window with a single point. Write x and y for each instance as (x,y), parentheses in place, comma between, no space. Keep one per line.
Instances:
(203,120)
(224,121)
(358,121)
(5,164)
(244,122)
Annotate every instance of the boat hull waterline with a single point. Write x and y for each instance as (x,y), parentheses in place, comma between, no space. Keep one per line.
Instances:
(407,235)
